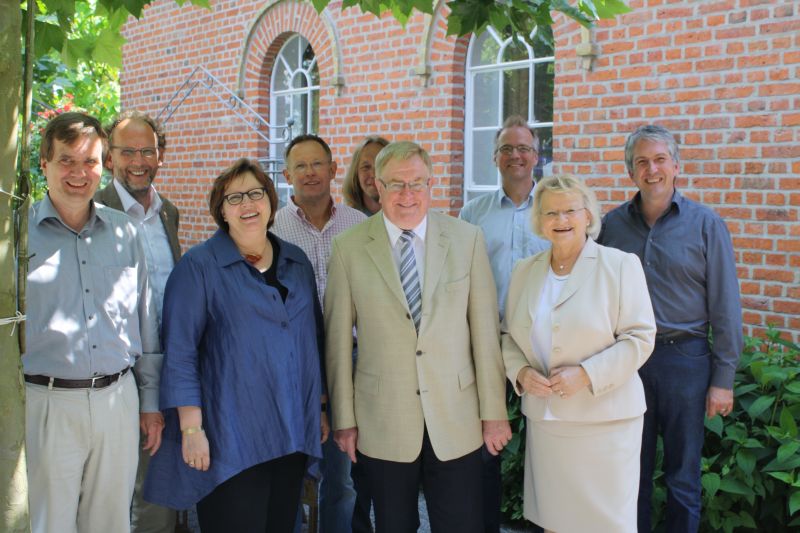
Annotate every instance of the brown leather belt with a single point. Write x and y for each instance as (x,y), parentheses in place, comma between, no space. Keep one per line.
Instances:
(98,382)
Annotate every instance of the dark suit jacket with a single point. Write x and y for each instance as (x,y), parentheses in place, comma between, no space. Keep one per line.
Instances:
(169,215)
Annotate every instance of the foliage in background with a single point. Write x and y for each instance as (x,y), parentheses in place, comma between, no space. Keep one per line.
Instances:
(751,464)
(751,458)
(520,18)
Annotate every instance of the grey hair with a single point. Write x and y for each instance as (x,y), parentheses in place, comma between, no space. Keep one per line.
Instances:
(516,121)
(566,183)
(654,133)
(402,150)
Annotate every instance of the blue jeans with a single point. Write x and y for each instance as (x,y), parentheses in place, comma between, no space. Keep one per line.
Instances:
(676,380)
(336,494)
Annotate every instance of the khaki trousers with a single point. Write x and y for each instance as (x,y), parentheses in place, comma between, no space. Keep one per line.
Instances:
(82,448)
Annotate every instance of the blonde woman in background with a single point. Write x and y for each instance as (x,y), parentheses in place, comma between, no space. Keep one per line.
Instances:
(359,189)
(578,326)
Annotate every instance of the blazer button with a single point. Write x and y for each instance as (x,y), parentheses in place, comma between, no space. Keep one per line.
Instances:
(417,392)
(407,315)
(419,352)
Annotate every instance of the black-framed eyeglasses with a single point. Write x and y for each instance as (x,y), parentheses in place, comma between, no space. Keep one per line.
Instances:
(508,149)
(235,198)
(130,153)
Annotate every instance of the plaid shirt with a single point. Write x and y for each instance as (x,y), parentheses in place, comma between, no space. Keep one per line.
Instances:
(292,225)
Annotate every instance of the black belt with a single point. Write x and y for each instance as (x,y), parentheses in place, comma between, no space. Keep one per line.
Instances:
(98,382)
(674,337)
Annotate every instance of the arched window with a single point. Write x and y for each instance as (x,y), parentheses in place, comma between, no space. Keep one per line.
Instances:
(504,78)
(294,95)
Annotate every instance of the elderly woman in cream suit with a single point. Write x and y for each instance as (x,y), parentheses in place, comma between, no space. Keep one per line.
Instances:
(579,324)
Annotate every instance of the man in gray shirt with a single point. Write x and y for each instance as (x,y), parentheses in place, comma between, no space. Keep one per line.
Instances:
(90,320)
(688,260)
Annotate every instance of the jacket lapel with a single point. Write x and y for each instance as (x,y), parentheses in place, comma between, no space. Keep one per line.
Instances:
(379,249)
(584,266)
(437,245)
(535,274)
(171,228)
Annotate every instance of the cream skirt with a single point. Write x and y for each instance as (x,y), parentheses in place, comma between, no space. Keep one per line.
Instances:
(583,477)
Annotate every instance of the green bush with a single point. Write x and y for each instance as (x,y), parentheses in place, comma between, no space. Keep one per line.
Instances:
(751,458)
(751,464)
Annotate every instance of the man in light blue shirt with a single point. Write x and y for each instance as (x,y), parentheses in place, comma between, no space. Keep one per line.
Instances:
(505,218)
(505,215)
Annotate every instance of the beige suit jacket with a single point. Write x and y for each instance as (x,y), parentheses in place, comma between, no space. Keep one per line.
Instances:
(448,378)
(603,321)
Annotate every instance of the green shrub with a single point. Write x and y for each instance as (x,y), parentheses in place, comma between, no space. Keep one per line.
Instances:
(751,458)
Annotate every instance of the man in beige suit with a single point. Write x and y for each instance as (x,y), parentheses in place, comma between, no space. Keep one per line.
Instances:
(429,387)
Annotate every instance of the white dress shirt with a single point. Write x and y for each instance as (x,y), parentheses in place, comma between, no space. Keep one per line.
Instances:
(419,245)
(154,239)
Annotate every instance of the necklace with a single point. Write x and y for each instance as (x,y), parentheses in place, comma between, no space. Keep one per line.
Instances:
(252,258)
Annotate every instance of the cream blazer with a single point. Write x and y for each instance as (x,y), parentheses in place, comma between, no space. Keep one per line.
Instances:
(603,321)
(448,378)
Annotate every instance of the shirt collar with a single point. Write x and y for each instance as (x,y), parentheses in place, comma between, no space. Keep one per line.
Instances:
(298,211)
(226,252)
(46,210)
(395,232)
(677,202)
(129,201)
(503,199)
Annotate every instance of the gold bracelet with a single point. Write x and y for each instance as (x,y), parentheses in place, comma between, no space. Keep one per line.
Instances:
(192,431)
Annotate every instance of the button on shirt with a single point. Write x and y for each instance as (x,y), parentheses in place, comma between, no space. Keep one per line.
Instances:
(292,225)
(89,307)
(509,238)
(690,268)
(154,239)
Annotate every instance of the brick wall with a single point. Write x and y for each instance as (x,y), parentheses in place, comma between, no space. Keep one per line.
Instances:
(723,75)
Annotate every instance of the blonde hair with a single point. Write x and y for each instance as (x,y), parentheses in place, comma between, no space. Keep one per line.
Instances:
(351,188)
(566,183)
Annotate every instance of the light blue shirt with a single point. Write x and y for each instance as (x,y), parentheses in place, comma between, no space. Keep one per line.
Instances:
(508,234)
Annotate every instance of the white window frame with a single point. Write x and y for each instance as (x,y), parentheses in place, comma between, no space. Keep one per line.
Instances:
(471,189)
(276,150)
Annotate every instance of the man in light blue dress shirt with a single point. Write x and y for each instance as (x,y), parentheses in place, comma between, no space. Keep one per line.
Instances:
(505,218)
(91,321)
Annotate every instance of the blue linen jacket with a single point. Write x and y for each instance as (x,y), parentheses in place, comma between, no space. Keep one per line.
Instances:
(249,360)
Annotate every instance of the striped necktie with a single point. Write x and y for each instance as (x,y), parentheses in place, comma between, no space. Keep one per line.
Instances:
(409,277)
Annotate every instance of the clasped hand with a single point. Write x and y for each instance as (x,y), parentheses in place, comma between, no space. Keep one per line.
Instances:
(563,381)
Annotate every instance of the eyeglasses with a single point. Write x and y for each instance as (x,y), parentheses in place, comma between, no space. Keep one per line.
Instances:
(523,149)
(316,166)
(130,153)
(400,186)
(235,198)
(569,213)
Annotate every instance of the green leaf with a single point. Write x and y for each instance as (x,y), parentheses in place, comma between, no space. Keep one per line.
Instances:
(47,37)
(715,425)
(782,476)
(734,486)
(794,502)
(108,48)
(608,9)
(788,449)
(747,520)
(759,406)
(711,483)
(787,422)
(746,461)
(785,465)
(735,432)
(76,50)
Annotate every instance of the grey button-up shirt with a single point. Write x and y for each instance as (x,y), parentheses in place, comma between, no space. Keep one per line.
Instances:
(690,268)
(89,306)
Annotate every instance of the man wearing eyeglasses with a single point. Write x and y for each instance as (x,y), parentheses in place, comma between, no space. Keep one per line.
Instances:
(91,326)
(428,390)
(310,220)
(505,218)
(135,155)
